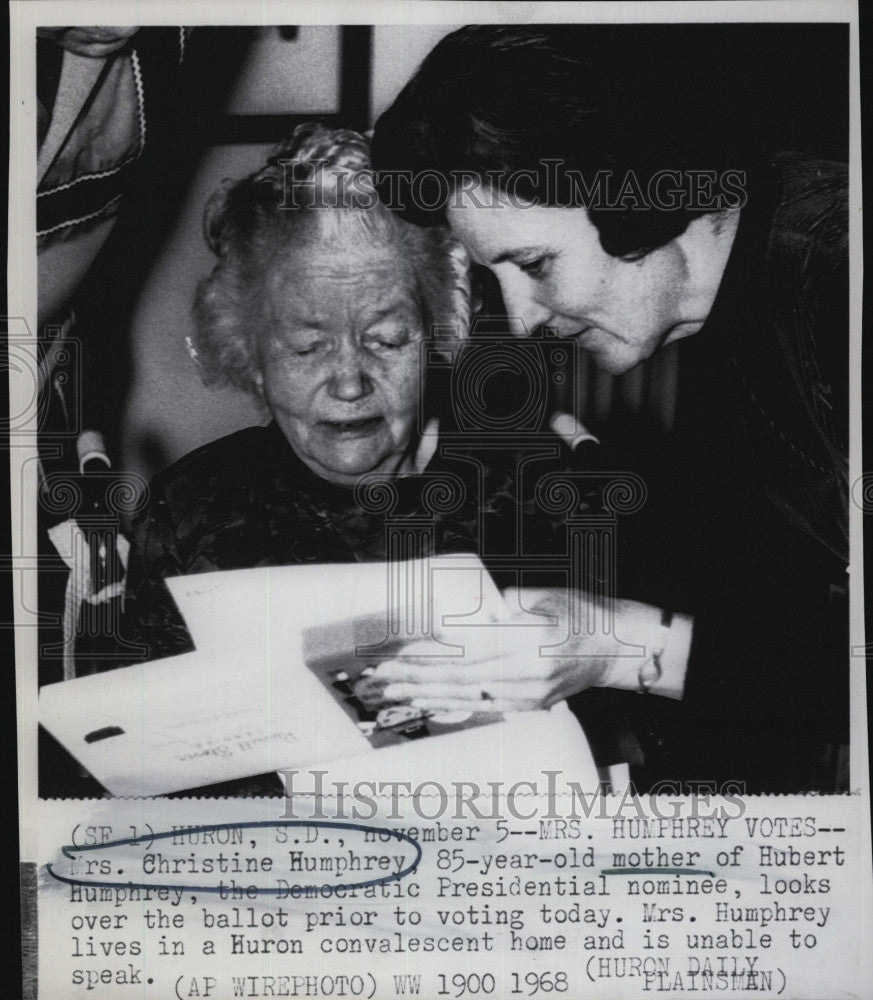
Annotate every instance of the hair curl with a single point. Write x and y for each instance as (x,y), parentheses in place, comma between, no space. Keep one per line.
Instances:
(318,173)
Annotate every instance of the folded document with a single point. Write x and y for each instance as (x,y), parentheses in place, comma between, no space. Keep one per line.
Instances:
(282,677)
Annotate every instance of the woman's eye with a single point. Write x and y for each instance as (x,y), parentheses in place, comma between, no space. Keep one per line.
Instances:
(306,349)
(387,342)
(537,267)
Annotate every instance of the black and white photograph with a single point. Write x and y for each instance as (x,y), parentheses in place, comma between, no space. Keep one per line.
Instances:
(451,396)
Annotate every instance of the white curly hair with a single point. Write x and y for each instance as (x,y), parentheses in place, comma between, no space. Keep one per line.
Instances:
(324,173)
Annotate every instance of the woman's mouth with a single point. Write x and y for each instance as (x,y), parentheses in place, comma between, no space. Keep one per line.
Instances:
(579,334)
(358,426)
(587,334)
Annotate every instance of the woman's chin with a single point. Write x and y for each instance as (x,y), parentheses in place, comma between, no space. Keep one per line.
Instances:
(343,455)
(618,358)
(346,468)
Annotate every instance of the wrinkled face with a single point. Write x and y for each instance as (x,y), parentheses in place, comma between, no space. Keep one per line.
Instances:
(339,357)
(553,271)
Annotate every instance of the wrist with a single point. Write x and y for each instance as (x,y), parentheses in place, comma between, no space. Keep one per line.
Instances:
(651,670)
(614,658)
(636,632)
(649,651)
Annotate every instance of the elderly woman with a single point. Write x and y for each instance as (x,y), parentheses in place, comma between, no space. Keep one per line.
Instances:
(320,304)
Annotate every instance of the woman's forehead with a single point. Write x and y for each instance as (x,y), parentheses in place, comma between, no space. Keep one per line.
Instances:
(320,279)
(376,265)
(499,226)
(349,235)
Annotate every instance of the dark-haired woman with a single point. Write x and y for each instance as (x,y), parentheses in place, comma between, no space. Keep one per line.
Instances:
(609,177)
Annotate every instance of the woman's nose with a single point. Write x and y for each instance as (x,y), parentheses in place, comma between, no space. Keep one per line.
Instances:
(523,310)
(349,381)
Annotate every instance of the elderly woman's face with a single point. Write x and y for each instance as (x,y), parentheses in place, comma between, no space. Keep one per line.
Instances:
(340,357)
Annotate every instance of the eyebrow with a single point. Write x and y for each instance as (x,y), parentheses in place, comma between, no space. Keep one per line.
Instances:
(389,310)
(311,325)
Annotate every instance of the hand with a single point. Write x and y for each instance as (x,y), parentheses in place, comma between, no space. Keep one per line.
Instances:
(509,667)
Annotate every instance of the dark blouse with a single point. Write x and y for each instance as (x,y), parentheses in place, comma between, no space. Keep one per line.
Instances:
(748,512)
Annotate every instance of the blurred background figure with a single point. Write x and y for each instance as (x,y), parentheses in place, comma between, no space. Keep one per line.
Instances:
(91,136)
(91,131)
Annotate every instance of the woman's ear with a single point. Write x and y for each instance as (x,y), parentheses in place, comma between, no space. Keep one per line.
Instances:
(258,393)
(706,245)
(710,226)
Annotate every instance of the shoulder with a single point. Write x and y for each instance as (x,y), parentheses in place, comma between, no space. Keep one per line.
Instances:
(803,177)
(246,459)
(811,220)
(233,455)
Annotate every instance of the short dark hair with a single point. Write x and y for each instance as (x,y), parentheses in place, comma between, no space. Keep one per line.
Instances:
(494,100)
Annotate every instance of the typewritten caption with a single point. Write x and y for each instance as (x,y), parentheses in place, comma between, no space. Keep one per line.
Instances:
(220,898)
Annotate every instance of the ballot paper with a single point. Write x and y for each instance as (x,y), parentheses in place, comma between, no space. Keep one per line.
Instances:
(279,677)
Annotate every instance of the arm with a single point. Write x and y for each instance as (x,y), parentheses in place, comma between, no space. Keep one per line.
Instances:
(635,624)
(511,667)
(151,618)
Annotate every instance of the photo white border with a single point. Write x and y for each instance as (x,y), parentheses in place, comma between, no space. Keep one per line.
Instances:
(25,15)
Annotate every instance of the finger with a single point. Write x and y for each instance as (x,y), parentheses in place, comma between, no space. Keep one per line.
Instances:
(428,444)
(434,706)
(469,645)
(471,694)
(500,706)
(438,692)
(453,675)
(523,600)
(370,691)
(402,670)
(450,669)
(546,672)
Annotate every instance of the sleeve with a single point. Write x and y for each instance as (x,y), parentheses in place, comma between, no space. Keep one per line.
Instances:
(767,684)
(765,699)
(151,620)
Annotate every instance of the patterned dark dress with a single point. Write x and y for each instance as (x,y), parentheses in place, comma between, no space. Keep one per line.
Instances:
(246,500)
